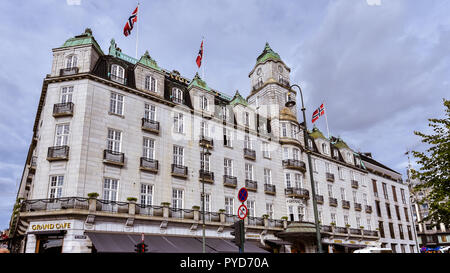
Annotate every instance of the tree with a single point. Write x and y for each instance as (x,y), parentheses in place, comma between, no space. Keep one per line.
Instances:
(434,171)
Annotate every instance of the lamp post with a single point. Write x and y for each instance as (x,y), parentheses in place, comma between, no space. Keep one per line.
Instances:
(205,153)
(291,103)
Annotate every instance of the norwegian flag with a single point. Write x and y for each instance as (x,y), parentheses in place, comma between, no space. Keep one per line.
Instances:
(318,113)
(199,56)
(129,25)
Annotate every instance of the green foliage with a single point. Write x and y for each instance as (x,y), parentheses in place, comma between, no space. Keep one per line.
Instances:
(434,172)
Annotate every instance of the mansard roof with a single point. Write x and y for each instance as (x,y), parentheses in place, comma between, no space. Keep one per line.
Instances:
(339,143)
(316,133)
(238,99)
(83,39)
(148,61)
(198,82)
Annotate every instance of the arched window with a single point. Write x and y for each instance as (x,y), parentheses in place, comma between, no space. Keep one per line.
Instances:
(203,103)
(324,148)
(117,73)
(150,83)
(177,95)
(260,82)
(71,61)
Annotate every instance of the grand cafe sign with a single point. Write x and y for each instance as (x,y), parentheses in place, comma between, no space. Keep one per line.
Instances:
(51,226)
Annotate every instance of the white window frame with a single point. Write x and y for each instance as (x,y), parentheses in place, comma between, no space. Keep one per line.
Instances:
(71,61)
(66,95)
(62,133)
(251,208)
(248,171)
(146,194)
(56,186)
(110,189)
(204,128)
(150,111)
(117,73)
(227,137)
(284,129)
(177,95)
(229,205)
(269,210)
(265,149)
(228,166)
(178,122)
(148,148)
(177,198)
(114,140)
(298,180)
(204,103)
(287,180)
(178,155)
(267,176)
(150,83)
(205,160)
(116,103)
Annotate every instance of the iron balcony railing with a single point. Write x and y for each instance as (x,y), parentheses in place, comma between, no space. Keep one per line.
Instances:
(68,71)
(148,164)
(63,109)
(355,231)
(230,181)
(251,185)
(368,209)
(333,201)
(330,177)
(206,142)
(297,192)
(249,154)
(354,184)
(179,170)
(358,206)
(149,125)
(294,164)
(341,230)
(56,153)
(345,204)
(326,229)
(319,199)
(372,233)
(269,189)
(206,176)
(113,157)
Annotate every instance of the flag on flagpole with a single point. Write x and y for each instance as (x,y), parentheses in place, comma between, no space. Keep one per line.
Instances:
(129,25)
(318,113)
(200,56)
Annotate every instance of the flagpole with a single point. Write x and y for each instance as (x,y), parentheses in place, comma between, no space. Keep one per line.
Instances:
(203,57)
(137,32)
(326,121)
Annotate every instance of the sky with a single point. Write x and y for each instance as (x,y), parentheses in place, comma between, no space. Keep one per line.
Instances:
(381,67)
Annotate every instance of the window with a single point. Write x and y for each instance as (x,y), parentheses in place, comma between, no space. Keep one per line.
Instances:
(225,113)
(62,135)
(294,130)
(268,176)
(330,190)
(291,213)
(341,173)
(251,208)
(335,154)
(377,206)
(227,137)
(150,83)
(246,119)
(333,218)
(345,220)
(375,190)
(247,142)
(325,148)
(229,205)
(260,82)
(388,210)
(56,185)
(146,194)
(327,167)
(301,213)
(369,226)
(316,184)
(285,153)
(365,199)
(228,166)
(402,191)
(204,162)
(391,230)
(298,180)
(288,180)
(178,123)
(110,189)
(113,141)
(265,149)
(355,197)
(394,193)
(177,95)
(381,228)
(71,61)
(269,210)
(406,214)
(385,191)
(349,157)
(248,171)
(66,94)
(204,103)
(296,154)
(358,222)
(283,129)
(204,129)
(310,144)
(148,148)
(116,104)
(117,73)
(178,158)
(400,228)
(207,202)
(343,196)
(315,165)
(150,112)
(177,198)
(397,211)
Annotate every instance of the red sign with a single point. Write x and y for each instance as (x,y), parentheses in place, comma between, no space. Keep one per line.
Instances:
(242,211)
(242,195)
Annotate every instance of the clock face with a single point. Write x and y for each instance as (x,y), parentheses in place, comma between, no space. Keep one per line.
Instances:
(258,72)
(280,68)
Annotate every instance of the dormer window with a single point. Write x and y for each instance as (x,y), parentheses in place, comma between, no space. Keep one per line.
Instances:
(224,112)
(71,61)
(335,153)
(203,103)
(117,73)
(260,82)
(150,83)
(325,148)
(177,95)
(246,119)
(349,157)
(310,144)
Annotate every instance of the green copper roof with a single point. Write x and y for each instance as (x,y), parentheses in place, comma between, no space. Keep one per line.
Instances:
(84,39)
(238,99)
(316,133)
(198,82)
(148,61)
(267,54)
(341,144)
(117,52)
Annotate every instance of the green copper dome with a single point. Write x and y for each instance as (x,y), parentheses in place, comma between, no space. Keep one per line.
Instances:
(148,61)
(268,54)
(238,99)
(198,82)
(84,39)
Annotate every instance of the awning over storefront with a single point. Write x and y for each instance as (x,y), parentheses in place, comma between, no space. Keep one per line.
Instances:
(115,242)
(278,242)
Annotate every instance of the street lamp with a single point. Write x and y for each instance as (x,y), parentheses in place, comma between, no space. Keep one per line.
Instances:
(291,103)
(205,154)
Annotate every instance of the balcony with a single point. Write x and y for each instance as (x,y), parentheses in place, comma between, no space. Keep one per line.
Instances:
(206,142)
(230,181)
(149,165)
(206,176)
(251,185)
(354,184)
(341,230)
(249,154)
(319,199)
(368,208)
(63,109)
(118,79)
(327,229)
(113,158)
(294,164)
(297,193)
(358,206)
(330,177)
(345,204)
(333,202)
(269,189)
(149,125)
(33,164)
(370,233)
(355,231)
(57,153)
(68,71)
(179,171)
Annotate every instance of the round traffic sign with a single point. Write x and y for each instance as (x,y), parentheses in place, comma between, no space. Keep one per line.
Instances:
(242,211)
(243,194)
